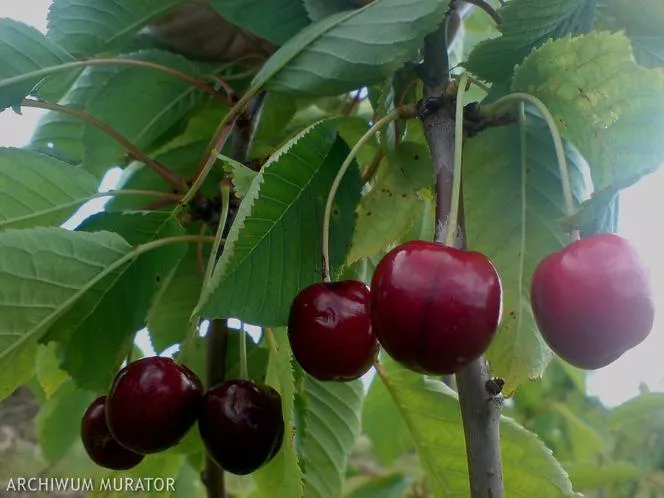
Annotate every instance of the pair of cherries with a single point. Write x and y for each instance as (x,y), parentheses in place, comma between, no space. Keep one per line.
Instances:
(153,402)
(435,308)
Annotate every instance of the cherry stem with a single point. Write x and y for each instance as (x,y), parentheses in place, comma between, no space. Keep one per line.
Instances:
(244,371)
(225,189)
(169,176)
(379,125)
(482,4)
(565,181)
(456,174)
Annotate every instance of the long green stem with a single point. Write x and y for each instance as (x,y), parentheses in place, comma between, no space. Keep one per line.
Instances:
(456,175)
(8,223)
(555,134)
(32,75)
(223,218)
(171,177)
(379,125)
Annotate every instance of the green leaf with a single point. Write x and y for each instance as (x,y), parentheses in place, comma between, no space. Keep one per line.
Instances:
(320,9)
(86,27)
(528,24)
(387,213)
(42,272)
(643,26)
(331,425)
(586,443)
(257,357)
(276,21)
(97,332)
(48,371)
(609,106)
(380,418)
(273,249)
(352,49)
(637,411)
(242,176)
(139,103)
(526,230)
(23,51)
(38,190)
(168,317)
(431,412)
(588,476)
(275,113)
(58,424)
(391,486)
(282,476)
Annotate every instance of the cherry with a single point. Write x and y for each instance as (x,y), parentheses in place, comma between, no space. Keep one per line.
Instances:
(152,404)
(435,308)
(329,329)
(98,442)
(592,300)
(241,425)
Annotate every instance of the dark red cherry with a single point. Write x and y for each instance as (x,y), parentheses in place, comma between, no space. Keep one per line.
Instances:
(435,308)
(592,300)
(241,425)
(98,442)
(152,404)
(329,329)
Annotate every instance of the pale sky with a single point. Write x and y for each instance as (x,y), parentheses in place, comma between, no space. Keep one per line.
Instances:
(642,211)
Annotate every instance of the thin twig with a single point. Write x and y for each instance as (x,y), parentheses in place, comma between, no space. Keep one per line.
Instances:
(170,176)
(482,4)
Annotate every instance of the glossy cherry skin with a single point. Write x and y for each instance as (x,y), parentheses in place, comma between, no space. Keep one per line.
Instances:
(241,425)
(152,404)
(592,300)
(435,308)
(329,329)
(98,442)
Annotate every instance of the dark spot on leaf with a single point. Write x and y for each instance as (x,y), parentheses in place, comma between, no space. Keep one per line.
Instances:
(335,212)
(369,213)
(405,196)
(158,278)
(416,157)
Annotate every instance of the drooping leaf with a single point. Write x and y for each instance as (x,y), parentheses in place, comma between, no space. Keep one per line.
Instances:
(514,220)
(386,214)
(87,27)
(282,476)
(275,113)
(42,272)
(168,317)
(379,418)
(23,51)
(431,412)
(332,424)
(141,104)
(528,24)
(38,190)
(58,425)
(97,332)
(609,106)
(637,411)
(276,21)
(241,175)
(352,49)
(586,443)
(320,9)
(273,248)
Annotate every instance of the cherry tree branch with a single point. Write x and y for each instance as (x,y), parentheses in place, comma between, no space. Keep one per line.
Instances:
(480,410)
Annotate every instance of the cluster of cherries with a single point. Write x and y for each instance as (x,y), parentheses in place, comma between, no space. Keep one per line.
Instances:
(435,308)
(432,308)
(154,401)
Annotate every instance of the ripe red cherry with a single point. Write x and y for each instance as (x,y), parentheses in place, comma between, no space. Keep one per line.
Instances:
(592,300)
(98,442)
(241,425)
(329,329)
(152,404)
(435,308)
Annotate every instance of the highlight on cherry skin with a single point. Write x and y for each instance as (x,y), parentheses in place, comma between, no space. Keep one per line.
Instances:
(241,425)
(98,442)
(435,308)
(592,300)
(152,404)
(330,331)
